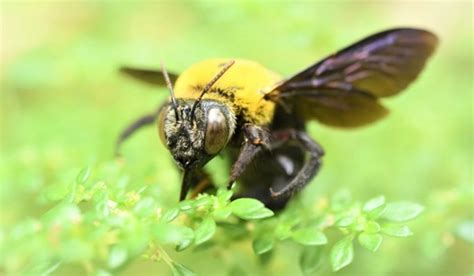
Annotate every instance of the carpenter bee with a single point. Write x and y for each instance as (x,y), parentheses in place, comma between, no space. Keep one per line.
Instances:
(256,117)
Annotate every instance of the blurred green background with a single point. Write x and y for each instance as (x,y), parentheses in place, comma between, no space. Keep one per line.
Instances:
(63,104)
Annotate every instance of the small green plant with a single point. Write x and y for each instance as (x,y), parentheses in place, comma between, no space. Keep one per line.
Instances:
(104,225)
(369,223)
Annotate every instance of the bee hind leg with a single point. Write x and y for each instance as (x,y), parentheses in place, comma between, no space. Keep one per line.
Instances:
(310,167)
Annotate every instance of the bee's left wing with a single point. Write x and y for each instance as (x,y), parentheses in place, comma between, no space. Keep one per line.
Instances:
(343,89)
(150,76)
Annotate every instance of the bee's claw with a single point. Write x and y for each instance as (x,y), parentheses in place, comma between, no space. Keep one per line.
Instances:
(272,193)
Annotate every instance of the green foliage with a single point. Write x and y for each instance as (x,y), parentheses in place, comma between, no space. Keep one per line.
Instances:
(248,208)
(342,253)
(105,226)
(402,211)
(263,244)
(311,259)
(309,236)
(370,241)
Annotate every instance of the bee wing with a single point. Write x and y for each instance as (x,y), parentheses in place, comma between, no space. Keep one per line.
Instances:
(343,89)
(149,76)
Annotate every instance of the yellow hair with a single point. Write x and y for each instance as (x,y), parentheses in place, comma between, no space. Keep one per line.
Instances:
(240,87)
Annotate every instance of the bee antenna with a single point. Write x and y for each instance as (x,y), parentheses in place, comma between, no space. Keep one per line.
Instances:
(210,84)
(170,88)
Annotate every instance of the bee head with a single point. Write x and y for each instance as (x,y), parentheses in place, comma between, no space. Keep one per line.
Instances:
(195,135)
(195,130)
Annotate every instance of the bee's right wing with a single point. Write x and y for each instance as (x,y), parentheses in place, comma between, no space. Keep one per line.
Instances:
(150,76)
(343,89)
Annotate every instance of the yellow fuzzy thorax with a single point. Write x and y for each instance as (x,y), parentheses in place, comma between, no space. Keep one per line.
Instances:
(240,87)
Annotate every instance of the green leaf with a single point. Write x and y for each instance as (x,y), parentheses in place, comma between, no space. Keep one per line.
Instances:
(311,259)
(170,215)
(43,268)
(222,213)
(234,231)
(245,205)
(402,211)
(204,201)
(262,244)
(283,231)
(145,207)
(173,234)
(346,221)
(205,246)
(205,231)
(377,212)
(51,269)
(63,214)
(224,195)
(257,214)
(342,253)
(187,238)
(371,227)
(309,236)
(102,207)
(117,256)
(465,230)
(373,203)
(56,191)
(396,230)
(370,241)
(178,269)
(265,258)
(83,176)
(248,208)
(185,243)
(186,205)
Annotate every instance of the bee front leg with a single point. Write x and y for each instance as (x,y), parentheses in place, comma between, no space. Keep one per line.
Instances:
(255,138)
(311,166)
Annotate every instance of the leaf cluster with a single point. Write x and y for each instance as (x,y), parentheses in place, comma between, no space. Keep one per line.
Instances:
(103,226)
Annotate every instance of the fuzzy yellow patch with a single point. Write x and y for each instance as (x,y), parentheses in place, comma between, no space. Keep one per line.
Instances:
(240,87)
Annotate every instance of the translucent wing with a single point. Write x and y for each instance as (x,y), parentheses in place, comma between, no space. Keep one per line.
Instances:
(150,76)
(342,89)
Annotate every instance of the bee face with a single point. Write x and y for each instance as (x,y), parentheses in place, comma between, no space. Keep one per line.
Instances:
(193,139)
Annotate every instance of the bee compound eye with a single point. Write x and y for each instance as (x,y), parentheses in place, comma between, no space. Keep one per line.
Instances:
(161,125)
(217,131)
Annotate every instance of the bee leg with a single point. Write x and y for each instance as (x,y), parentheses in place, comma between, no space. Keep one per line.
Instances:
(255,138)
(143,121)
(246,155)
(311,166)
